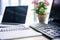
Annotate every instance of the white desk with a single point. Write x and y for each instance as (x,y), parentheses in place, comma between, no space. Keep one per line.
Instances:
(37,37)
(19,34)
(32,38)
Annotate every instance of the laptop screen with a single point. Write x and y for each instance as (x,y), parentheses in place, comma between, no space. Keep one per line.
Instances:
(55,11)
(15,14)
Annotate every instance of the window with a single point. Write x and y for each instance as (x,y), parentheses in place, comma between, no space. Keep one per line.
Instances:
(14,2)
(5,3)
(30,13)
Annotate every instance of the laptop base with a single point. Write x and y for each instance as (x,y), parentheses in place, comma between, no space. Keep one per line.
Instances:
(51,31)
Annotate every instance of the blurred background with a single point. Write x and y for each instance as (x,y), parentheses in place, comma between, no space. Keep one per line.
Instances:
(31,17)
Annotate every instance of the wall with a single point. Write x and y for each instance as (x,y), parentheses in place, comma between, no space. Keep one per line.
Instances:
(30,16)
(4,3)
(48,10)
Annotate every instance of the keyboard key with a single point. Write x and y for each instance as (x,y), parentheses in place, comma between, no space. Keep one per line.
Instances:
(52,31)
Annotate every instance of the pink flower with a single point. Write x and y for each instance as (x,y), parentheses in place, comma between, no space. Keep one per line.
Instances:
(47,3)
(35,1)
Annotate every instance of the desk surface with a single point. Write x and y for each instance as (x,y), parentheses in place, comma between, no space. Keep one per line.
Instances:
(32,38)
(21,34)
(38,37)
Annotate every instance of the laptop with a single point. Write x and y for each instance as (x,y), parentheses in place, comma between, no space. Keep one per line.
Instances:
(52,29)
(12,24)
(14,16)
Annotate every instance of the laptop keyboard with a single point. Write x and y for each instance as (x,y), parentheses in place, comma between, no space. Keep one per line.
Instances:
(51,31)
(6,28)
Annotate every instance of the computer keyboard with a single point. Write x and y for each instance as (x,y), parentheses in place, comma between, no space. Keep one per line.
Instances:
(52,31)
(7,28)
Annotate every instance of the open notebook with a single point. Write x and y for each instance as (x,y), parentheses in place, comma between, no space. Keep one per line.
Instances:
(14,18)
(11,26)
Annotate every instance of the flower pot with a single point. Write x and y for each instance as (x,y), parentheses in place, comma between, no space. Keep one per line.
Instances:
(41,18)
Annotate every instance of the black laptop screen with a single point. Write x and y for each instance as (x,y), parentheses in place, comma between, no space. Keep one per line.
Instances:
(55,10)
(15,14)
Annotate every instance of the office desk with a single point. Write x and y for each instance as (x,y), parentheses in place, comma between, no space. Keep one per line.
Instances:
(38,37)
(19,34)
(32,38)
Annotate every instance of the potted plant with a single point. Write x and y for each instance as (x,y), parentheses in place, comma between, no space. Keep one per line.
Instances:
(40,9)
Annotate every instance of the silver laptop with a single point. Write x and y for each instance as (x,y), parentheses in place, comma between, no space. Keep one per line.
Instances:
(14,15)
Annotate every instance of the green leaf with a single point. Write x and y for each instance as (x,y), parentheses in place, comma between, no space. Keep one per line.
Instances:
(41,9)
